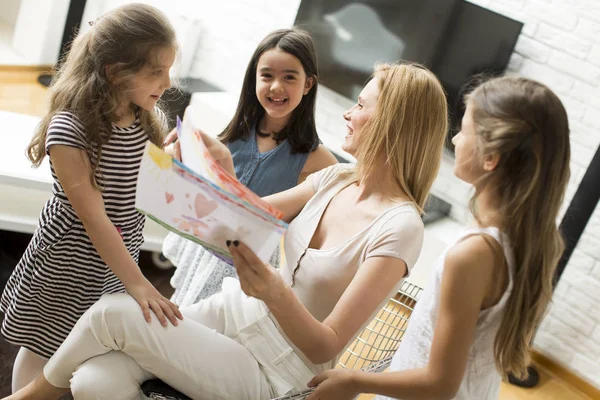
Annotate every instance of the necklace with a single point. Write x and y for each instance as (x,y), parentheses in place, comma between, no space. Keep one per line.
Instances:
(264,135)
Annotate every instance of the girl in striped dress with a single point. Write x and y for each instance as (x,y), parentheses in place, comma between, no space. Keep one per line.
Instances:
(87,243)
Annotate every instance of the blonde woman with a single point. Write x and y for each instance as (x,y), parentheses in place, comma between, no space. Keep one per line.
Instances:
(354,234)
(474,322)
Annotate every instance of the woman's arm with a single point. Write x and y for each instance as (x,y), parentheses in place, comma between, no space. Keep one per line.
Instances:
(290,201)
(466,282)
(319,341)
(73,170)
(317,160)
(322,341)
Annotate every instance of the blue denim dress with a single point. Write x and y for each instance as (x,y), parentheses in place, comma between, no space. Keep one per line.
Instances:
(199,274)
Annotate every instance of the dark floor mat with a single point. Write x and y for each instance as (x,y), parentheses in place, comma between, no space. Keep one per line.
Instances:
(7,263)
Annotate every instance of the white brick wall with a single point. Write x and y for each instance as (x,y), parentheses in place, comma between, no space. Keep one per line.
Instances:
(559,46)
(232,31)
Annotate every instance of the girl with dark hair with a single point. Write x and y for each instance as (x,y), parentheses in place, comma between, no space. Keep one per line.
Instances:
(274,143)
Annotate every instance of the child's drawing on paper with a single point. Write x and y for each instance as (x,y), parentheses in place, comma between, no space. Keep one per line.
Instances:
(159,165)
(201,210)
(196,156)
(190,225)
(160,158)
(202,207)
(223,233)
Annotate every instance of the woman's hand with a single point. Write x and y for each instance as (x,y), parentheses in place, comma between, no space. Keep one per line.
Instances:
(218,151)
(150,299)
(335,384)
(257,279)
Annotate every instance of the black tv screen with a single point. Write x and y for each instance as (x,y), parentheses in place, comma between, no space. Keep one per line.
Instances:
(453,38)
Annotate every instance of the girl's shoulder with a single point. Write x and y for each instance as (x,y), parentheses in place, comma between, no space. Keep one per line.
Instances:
(478,266)
(67,119)
(67,129)
(476,253)
(66,123)
(318,159)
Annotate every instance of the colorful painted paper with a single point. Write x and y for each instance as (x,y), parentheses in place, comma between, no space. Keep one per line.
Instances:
(195,155)
(198,200)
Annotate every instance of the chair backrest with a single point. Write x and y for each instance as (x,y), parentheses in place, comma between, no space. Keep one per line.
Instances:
(381,338)
(374,348)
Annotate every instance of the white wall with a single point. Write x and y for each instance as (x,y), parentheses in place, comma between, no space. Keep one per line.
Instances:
(39,25)
(233,29)
(559,46)
(38,30)
(9,11)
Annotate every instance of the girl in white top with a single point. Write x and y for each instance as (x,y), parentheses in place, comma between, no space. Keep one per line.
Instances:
(354,234)
(474,322)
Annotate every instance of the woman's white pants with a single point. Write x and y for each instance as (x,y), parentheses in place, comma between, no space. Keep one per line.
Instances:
(226,347)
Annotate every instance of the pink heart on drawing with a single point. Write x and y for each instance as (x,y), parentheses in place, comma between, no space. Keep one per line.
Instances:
(204,206)
(169,197)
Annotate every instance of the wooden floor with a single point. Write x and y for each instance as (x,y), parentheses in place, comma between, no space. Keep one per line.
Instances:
(20,92)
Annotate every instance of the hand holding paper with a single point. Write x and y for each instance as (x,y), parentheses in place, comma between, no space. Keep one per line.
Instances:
(218,151)
(257,278)
(199,200)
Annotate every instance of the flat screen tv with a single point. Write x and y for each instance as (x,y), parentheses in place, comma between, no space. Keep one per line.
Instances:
(453,38)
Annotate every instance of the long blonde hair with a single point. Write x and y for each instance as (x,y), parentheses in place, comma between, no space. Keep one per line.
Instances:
(408,128)
(526,124)
(126,37)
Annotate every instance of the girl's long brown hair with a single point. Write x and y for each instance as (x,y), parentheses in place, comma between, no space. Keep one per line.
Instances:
(126,38)
(526,124)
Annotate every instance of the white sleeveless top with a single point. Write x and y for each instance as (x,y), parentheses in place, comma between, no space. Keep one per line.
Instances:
(481,380)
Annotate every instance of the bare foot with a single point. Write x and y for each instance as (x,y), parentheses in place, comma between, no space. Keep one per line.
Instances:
(39,389)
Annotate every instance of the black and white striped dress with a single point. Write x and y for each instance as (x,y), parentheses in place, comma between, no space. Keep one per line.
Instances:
(61,274)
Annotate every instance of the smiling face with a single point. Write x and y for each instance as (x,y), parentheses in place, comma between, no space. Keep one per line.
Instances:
(359,114)
(152,80)
(280,84)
